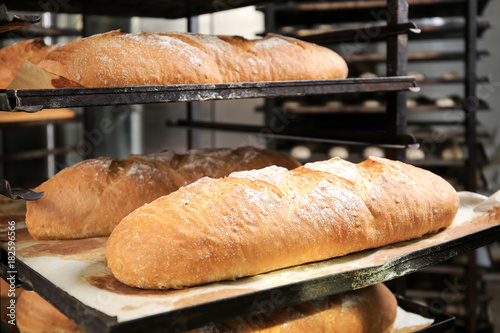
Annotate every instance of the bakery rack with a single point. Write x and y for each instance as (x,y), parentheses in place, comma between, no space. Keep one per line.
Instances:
(396,84)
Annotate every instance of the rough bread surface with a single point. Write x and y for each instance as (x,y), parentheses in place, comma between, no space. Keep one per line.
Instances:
(35,315)
(369,310)
(90,198)
(13,56)
(245,224)
(119,59)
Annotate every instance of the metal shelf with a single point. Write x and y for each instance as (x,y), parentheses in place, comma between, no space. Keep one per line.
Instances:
(415,31)
(149,8)
(32,100)
(8,23)
(319,12)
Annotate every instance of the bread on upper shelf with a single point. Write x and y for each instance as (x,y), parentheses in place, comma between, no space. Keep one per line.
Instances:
(13,56)
(116,58)
(262,220)
(90,198)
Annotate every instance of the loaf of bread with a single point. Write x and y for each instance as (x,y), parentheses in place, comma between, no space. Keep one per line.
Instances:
(90,198)
(35,315)
(119,59)
(13,56)
(258,221)
(369,310)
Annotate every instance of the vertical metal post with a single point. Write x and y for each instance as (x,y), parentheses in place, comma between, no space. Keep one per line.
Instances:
(270,103)
(471,103)
(193,108)
(470,109)
(397,63)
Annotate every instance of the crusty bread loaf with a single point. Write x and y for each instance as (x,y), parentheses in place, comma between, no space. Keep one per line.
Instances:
(369,310)
(119,59)
(262,220)
(35,315)
(90,198)
(13,56)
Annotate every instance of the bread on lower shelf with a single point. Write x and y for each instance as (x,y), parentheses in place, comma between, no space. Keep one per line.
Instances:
(90,198)
(119,59)
(263,220)
(36,315)
(369,310)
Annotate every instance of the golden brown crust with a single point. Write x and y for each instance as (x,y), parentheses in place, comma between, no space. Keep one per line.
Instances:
(46,114)
(13,56)
(36,315)
(259,221)
(119,59)
(90,198)
(369,310)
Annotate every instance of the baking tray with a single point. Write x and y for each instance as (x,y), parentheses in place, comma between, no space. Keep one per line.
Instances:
(32,100)
(8,23)
(73,276)
(443,323)
(148,8)
(340,11)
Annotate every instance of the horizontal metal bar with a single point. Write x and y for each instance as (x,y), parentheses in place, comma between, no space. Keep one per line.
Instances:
(415,56)
(39,153)
(35,99)
(17,21)
(334,137)
(365,32)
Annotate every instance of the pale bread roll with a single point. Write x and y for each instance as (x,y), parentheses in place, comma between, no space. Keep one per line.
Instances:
(119,59)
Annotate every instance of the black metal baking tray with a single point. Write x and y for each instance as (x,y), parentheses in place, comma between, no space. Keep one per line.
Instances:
(148,8)
(414,56)
(443,323)
(8,23)
(415,31)
(319,12)
(193,316)
(32,100)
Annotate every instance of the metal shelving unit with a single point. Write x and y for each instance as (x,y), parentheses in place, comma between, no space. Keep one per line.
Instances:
(395,84)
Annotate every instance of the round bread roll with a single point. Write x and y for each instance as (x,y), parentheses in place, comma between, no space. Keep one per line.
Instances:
(338,151)
(452,153)
(334,104)
(371,103)
(445,102)
(367,75)
(415,154)
(411,103)
(300,152)
(450,75)
(36,315)
(373,151)
(418,76)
